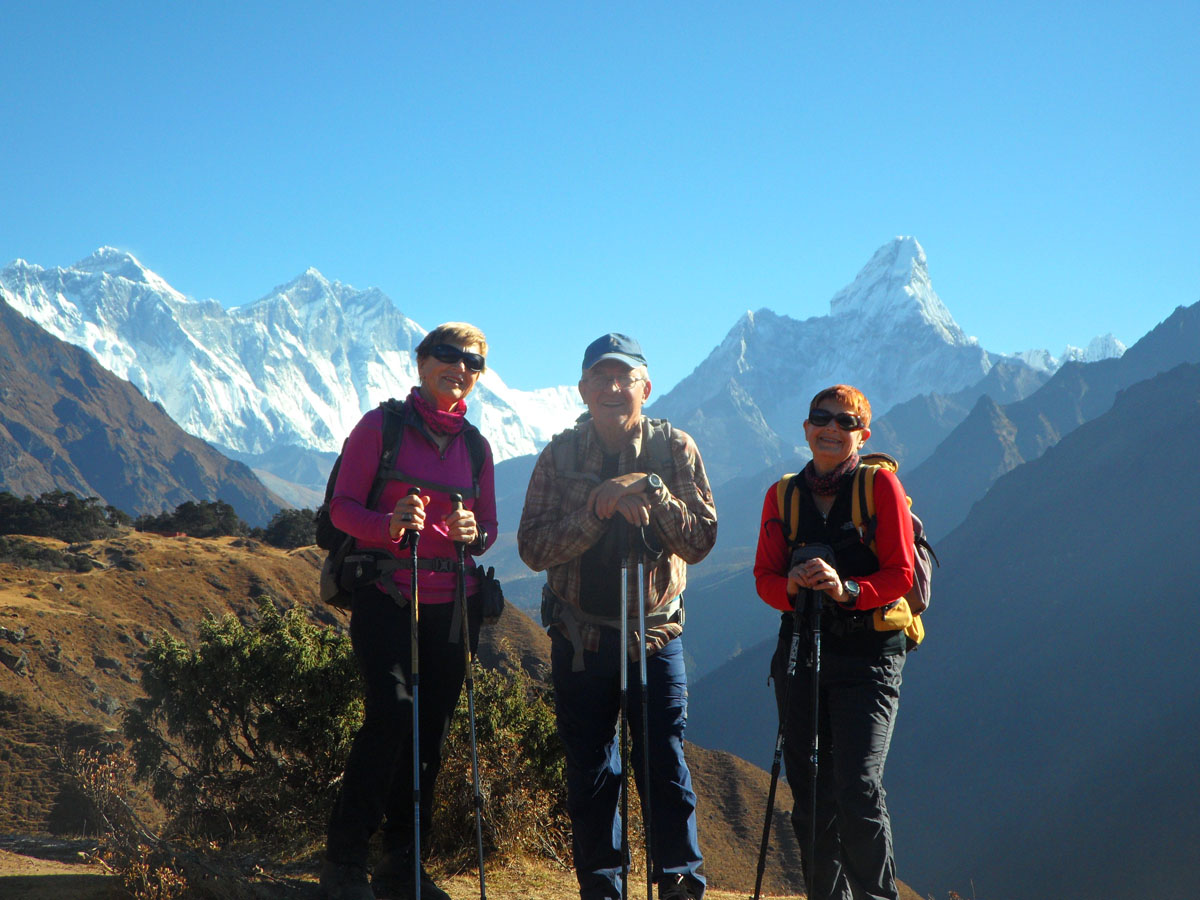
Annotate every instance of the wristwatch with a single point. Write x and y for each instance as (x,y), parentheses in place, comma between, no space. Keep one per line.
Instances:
(852,590)
(654,483)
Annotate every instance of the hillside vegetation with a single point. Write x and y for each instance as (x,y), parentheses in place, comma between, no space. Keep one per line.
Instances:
(72,642)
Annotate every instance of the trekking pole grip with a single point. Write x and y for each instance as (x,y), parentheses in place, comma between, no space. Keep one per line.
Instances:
(456,501)
(412,534)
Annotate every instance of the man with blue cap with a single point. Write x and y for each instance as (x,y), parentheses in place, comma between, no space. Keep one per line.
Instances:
(620,486)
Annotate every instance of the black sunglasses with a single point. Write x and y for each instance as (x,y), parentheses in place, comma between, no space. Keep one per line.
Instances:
(449,354)
(846,422)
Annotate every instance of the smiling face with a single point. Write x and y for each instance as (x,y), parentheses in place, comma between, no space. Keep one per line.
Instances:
(831,445)
(444,384)
(614,394)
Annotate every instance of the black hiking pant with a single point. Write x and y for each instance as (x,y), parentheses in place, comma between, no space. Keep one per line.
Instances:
(859,699)
(377,787)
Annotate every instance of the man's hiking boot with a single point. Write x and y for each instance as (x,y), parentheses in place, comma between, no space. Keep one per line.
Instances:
(393,878)
(675,887)
(345,882)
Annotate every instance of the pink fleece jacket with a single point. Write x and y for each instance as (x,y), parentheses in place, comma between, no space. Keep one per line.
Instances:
(419,457)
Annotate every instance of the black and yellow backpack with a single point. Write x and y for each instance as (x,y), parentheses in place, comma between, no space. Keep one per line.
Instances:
(905,613)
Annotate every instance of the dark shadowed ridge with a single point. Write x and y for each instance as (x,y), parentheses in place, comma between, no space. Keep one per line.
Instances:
(67,423)
(1048,726)
(995,438)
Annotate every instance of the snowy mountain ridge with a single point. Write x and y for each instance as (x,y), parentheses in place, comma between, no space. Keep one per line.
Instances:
(1105,346)
(296,367)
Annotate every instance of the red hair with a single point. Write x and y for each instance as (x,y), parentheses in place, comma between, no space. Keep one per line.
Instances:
(848,396)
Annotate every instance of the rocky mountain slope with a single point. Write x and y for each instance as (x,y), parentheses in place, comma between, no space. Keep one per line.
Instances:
(66,423)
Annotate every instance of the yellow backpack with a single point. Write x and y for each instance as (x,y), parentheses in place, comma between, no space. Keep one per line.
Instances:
(903,614)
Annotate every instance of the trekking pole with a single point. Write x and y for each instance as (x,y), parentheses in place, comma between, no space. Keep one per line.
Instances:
(645,701)
(814,598)
(414,623)
(624,724)
(457,501)
(793,653)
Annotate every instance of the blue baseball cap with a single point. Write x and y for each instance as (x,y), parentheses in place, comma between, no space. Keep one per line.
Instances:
(620,347)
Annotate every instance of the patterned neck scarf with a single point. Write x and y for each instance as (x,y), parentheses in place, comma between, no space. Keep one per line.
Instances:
(827,485)
(439,421)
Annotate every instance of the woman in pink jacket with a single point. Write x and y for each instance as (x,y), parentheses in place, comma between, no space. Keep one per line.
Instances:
(435,456)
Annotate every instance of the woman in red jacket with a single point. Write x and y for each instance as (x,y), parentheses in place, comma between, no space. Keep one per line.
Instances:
(860,667)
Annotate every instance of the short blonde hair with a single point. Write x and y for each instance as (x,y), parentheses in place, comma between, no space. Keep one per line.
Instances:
(460,333)
(847,395)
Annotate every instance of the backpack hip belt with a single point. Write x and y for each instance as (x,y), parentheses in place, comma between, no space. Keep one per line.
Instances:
(557,612)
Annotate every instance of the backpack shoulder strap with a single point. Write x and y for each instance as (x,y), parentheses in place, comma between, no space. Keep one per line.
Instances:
(862,503)
(658,446)
(393,435)
(564,446)
(787,498)
(475,447)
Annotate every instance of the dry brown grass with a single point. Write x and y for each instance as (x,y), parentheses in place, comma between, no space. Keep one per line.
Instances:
(82,635)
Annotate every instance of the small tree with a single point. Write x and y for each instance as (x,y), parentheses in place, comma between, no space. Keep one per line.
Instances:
(59,514)
(291,528)
(214,518)
(247,734)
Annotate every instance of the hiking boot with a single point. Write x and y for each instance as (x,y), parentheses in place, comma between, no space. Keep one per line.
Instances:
(393,879)
(675,887)
(345,882)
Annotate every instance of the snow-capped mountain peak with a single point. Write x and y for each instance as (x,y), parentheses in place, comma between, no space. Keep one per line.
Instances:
(888,333)
(895,285)
(123,264)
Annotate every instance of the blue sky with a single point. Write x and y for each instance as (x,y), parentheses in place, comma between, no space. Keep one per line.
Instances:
(552,171)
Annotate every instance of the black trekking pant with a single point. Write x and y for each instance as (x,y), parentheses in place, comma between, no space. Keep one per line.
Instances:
(859,699)
(377,787)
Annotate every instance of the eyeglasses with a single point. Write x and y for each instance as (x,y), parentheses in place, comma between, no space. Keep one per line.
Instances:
(846,422)
(600,382)
(449,354)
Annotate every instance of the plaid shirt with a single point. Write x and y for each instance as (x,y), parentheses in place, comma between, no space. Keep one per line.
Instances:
(557,526)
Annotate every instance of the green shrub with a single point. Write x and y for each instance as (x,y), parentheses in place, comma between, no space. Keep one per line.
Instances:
(289,529)
(246,736)
(522,775)
(29,555)
(59,514)
(214,518)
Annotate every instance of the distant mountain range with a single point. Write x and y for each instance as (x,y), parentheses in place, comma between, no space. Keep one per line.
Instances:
(996,437)
(288,374)
(887,332)
(278,383)
(67,423)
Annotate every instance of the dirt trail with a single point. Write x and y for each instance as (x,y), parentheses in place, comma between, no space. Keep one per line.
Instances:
(61,874)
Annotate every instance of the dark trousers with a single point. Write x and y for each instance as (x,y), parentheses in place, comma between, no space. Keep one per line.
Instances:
(378,784)
(859,698)
(588,706)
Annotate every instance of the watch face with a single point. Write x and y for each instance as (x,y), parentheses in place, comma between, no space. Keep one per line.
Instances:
(852,587)
(654,481)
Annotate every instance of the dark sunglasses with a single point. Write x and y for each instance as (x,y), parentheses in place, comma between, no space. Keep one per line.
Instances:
(448,354)
(846,422)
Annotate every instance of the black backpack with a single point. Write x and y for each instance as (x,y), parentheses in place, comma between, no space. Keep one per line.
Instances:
(337,584)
